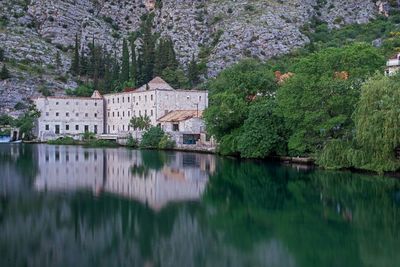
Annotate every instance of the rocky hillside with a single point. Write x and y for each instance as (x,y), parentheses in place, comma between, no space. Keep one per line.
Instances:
(37,35)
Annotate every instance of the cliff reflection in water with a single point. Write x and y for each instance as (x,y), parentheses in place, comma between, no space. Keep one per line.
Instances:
(153,178)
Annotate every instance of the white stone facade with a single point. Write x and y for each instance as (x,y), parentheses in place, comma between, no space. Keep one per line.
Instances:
(69,116)
(153,100)
(112,113)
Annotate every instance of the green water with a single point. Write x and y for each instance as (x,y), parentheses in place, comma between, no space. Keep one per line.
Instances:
(71,206)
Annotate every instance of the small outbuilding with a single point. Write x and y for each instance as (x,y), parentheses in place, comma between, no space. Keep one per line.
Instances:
(186,127)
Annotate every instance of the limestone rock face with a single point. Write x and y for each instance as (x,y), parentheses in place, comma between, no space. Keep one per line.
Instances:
(224,31)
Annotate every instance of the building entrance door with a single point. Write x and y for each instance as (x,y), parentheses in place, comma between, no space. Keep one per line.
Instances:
(57,129)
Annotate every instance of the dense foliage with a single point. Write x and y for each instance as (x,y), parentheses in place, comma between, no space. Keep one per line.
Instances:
(155,137)
(324,108)
(376,136)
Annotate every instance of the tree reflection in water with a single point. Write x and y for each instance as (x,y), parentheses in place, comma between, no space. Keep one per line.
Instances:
(250,214)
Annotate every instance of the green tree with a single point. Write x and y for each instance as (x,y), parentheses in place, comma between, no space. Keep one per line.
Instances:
(231,94)
(75,66)
(134,72)
(1,54)
(26,122)
(263,133)
(316,103)
(140,123)
(152,137)
(4,73)
(175,77)
(148,47)
(125,63)
(377,124)
(193,72)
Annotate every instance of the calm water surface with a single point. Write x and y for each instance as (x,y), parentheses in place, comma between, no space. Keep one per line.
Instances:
(72,206)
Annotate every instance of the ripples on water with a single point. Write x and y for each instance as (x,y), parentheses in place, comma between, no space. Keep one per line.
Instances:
(68,205)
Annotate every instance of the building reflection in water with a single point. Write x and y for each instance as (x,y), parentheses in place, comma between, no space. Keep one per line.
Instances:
(153,178)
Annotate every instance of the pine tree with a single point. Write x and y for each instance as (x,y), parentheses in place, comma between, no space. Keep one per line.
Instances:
(193,72)
(4,73)
(75,66)
(125,63)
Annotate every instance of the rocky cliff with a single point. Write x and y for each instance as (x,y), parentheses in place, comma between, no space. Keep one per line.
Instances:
(38,34)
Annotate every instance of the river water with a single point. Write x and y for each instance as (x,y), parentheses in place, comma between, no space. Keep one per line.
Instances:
(75,206)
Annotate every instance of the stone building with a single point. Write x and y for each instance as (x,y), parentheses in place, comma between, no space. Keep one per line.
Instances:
(393,65)
(155,99)
(72,116)
(186,127)
(111,114)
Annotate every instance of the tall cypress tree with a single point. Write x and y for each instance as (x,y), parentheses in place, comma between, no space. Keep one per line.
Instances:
(125,63)
(193,72)
(75,66)
(148,47)
(133,63)
(140,71)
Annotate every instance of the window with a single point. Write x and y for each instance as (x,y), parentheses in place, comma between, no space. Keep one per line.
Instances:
(129,127)
(199,98)
(47,127)
(113,114)
(86,128)
(118,114)
(108,101)
(47,114)
(175,127)
(57,103)
(109,129)
(113,127)
(95,129)
(188,97)
(67,103)
(113,100)
(133,99)
(123,99)
(57,129)
(67,127)
(145,98)
(129,113)
(76,103)
(139,98)
(86,104)
(151,112)
(123,113)
(140,113)
(129,99)
(117,99)
(145,112)
(86,115)
(95,115)
(67,114)
(151,97)
(77,114)
(95,104)
(77,127)
(108,114)
(123,127)
(57,114)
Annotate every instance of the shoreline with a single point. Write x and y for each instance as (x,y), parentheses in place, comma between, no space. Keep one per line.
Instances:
(300,162)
